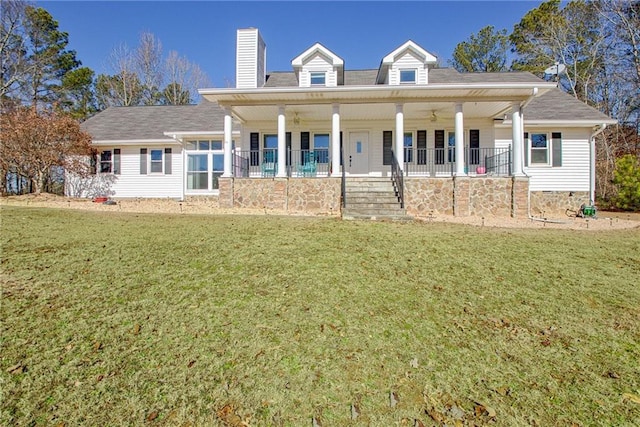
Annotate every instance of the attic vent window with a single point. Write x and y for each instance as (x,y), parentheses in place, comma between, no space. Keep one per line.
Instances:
(407,76)
(318,79)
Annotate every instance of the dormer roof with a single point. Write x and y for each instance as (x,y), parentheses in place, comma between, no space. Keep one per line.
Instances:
(409,46)
(301,59)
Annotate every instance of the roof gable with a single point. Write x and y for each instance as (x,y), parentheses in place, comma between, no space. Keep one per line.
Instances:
(412,47)
(314,50)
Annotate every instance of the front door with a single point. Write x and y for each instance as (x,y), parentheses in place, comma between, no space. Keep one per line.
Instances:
(357,160)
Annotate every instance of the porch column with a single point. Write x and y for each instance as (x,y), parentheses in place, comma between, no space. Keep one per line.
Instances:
(228,127)
(399,151)
(282,143)
(516,138)
(459,148)
(335,141)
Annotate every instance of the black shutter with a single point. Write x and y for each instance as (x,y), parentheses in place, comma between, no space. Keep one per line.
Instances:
(525,145)
(439,145)
(341,148)
(254,147)
(387,141)
(474,146)
(422,147)
(143,161)
(305,138)
(288,143)
(556,145)
(116,161)
(167,161)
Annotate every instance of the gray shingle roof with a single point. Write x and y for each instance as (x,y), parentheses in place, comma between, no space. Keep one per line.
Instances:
(557,105)
(150,122)
(360,77)
(281,79)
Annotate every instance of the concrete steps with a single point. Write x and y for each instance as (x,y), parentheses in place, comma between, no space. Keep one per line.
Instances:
(373,199)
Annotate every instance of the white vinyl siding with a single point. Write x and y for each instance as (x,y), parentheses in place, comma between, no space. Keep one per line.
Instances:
(408,61)
(573,175)
(318,63)
(250,59)
(130,183)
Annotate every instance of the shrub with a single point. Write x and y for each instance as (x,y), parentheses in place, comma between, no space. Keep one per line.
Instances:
(626,178)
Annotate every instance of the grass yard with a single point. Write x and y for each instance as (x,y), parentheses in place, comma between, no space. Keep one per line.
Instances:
(131,319)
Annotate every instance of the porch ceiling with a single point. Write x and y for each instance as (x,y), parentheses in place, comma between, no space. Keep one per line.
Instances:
(375,102)
(444,111)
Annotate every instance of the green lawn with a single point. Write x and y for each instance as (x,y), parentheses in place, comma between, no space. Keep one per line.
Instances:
(130,319)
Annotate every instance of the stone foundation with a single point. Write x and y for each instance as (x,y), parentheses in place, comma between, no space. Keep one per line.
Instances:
(312,195)
(556,203)
(467,196)
(457,196)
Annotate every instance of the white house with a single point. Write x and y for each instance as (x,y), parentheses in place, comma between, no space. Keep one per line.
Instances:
(406,136)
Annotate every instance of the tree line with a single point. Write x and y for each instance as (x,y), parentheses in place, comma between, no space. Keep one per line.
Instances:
(598,42)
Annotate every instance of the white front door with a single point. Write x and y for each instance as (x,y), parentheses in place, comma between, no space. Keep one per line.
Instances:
(357,160)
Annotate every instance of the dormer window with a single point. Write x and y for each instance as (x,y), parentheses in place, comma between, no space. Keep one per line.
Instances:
(318,78)
(407,76)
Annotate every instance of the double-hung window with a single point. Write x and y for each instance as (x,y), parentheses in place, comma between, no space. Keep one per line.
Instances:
(321,147)
(544,149)
(110,161)
(408,147)
(205,163)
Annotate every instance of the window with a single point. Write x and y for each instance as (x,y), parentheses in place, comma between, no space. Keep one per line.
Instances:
(110,161)
(205,163)
(156,161)
(321,147)
(318,78)
(545,149)
(408,147)
(452,147)
(407,76)
(539,148)
(105,161)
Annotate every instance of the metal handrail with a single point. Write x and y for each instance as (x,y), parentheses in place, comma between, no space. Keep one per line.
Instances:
(397,178)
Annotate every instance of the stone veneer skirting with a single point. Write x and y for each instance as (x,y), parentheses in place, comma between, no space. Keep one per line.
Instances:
(312,195)
(556,203)
(459,196)
(467,196)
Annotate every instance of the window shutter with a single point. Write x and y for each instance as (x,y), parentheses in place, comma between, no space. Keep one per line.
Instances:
(422,147)
(305,138)
(143,161)
(439,145)
(116,161)
(525,144)
(387,141)
(167,161)
(474,146)
(254,147)
(288,144)
(556,145)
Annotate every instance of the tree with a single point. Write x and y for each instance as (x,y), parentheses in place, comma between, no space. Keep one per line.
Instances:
(483,52)
(49,60)
(77,93)
(184,79)
(148,64)
(34,142)
(627,179)
(123,88)
(13,64)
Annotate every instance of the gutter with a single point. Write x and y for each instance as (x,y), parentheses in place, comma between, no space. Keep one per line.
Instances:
(592,161)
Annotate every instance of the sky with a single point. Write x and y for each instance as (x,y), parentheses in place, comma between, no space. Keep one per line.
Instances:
(360,32)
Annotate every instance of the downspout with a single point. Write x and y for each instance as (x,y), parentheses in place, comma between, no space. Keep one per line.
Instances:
(592,162)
